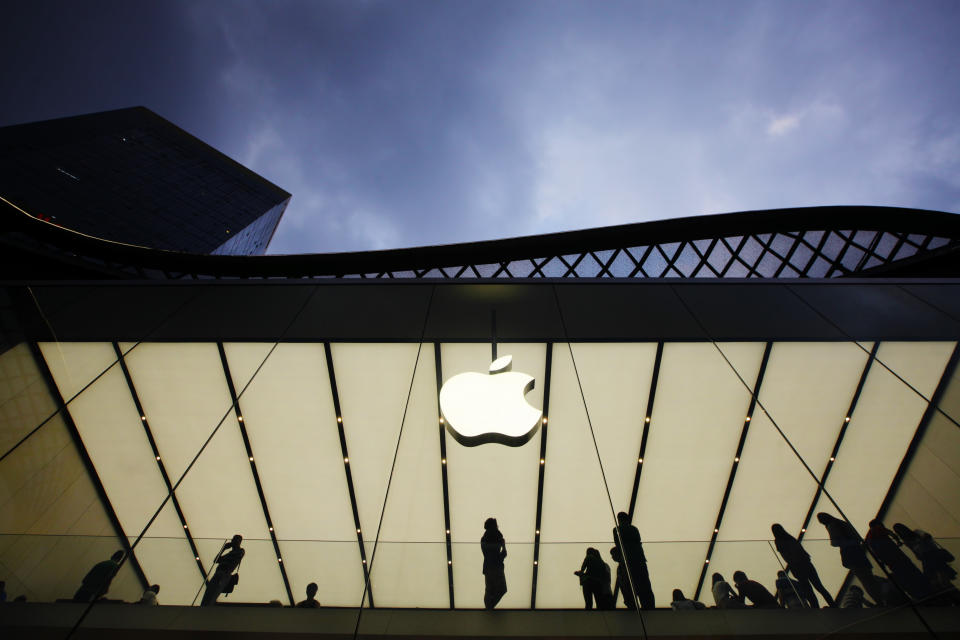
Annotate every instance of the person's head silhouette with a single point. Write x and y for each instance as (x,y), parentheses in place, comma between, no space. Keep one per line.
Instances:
(117,556)
(716,578)
(678,595)
(312,590)
(739,576)
(490,524)
(235,542)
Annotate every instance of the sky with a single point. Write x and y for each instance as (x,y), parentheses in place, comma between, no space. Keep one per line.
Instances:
(410,123)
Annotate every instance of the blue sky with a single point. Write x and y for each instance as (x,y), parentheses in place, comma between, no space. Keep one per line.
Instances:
(409,123)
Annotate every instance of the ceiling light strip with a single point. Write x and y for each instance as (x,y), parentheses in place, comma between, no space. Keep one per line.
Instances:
(647,420)
(548,366)
(346,468)
(734,466)
(438,368)
(836,447)
(54,391)
(156,453)
(253,470)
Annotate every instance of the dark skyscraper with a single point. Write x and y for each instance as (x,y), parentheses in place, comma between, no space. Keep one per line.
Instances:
(130,176)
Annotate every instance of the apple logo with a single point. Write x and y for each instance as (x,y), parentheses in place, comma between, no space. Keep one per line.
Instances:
(479,408)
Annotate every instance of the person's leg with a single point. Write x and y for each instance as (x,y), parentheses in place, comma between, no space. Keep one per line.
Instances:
(214,589)
(870,585)
(805,576)
(587,596)
(818,585)
(641,582)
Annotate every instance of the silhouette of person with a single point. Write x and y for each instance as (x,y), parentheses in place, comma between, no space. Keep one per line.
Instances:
(799,564)
(311,602)
(149,596)
(934,559)
(623,581)
(853,599)
(682,603)
(755,592)
(788,592)
(494,550)
(723,595)
(223,579)
(626,537)
(885,547)
(595,581)
(852,556)
(97,581)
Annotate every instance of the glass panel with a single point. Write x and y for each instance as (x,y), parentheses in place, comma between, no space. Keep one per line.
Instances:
(881,428)
(184,394)
(410,574)
(289,417)
(807,388)
(168,562)
(493,480)
(24,399)
(694,429)
(114,437)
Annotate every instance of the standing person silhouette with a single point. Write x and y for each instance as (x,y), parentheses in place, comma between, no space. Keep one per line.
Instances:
(852,556)
(223,579)
(885,546)
(494,550)
(595,581)
(934,559)
(97,581)
(799,564)
(311,602)
(626,538)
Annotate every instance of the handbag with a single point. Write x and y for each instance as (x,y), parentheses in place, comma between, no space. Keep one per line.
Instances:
(231,583)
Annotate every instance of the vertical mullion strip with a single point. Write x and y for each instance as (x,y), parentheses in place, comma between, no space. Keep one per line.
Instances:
(438,366)
(87,462)
(646,427)
(253,470)
(734,466)
(543,456)
(836,447)
(346,467)
(156,454)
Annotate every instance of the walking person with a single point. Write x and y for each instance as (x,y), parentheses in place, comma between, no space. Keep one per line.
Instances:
(852,556)
(97,581)
(494,550)
(224,579)
(934,559)
(799,564)
(885,546)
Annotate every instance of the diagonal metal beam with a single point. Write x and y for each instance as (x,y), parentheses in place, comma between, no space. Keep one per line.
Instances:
(253,470)
(836,447)
(438,366)
(734,466)
(88,463)
(547,369)
(646,428)
(156,453)
(346,468)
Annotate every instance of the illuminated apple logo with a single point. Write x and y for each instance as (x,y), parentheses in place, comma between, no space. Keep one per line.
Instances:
(479,408)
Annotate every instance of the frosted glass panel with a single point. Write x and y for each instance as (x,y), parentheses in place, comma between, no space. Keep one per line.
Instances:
(616,385)
(24,399)
(881,429)
(410,574)
(75,364)
(289,417)
(807,389)
(170,563)
(334,566)
(695,426)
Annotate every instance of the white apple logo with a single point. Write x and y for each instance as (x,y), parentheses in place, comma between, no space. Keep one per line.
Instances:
(479,408)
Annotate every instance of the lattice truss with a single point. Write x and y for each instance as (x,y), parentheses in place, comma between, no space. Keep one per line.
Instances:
(799,254)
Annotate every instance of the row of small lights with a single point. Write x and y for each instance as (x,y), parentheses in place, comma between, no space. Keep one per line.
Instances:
(737,459)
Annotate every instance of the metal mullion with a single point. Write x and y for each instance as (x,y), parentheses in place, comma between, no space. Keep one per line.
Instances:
(438,367)
(476,271)
(764,250)
(346,465)
(639,263)
(817,252)
(646,427)
(836,265)
(548,367)
(734,466)
(797,241)
(501,269)
(571,268)
(672,261)
(734,253)
(836,447)
(704,260)
(253,469)
(156,453)
(605,268)
(88,465)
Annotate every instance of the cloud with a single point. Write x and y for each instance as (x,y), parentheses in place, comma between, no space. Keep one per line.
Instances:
(783,124)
